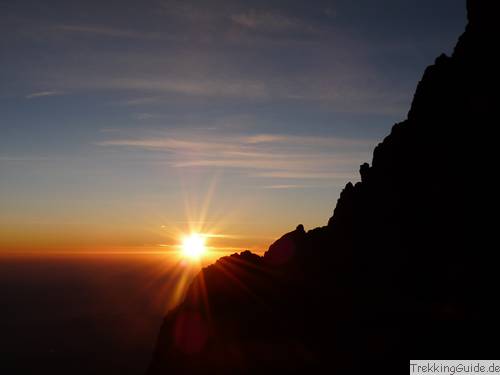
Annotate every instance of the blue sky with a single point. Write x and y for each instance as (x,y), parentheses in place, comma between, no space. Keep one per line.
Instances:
(121,118)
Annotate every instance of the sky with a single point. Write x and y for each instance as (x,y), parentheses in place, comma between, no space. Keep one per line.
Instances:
(125,123)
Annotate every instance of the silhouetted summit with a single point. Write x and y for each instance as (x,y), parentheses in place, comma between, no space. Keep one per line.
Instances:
(407,263)
(284,249)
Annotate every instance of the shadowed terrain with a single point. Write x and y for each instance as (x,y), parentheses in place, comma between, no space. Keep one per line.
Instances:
(406,264)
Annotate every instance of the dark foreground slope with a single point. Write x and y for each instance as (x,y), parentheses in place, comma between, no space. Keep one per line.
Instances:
(407,264)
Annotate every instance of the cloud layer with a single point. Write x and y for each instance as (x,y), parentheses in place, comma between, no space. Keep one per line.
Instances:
(264,156)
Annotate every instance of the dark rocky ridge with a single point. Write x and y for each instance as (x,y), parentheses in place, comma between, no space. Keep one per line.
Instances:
(406,264)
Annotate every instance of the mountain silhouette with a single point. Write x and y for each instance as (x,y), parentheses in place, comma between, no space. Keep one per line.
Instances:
(407,263)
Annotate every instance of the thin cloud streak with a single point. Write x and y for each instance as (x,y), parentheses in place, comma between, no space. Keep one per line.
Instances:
(289,186)
(216,88)
(110,32)
(285,168)
(7,158)
(153,90)
(276,156)
(269,22)
(43,93)
(325,90)
(234,143)
(307,175)
(140,101)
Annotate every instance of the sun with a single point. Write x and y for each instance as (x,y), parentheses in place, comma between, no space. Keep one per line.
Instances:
(193,246)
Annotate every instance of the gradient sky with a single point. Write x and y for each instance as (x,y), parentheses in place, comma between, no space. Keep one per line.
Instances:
(124,121)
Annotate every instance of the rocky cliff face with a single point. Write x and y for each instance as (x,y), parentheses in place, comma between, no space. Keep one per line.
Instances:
(406,264)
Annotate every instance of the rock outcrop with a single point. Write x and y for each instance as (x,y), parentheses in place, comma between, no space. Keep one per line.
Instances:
(407,263)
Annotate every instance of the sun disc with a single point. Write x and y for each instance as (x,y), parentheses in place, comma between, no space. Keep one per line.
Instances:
(193,246)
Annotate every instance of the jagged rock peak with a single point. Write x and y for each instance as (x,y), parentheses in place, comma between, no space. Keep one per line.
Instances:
(481,11)
(284,249)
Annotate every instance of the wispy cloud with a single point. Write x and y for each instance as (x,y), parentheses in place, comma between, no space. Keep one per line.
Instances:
(263,156)
(219,18)
(246,146)
(267,21)
(147,116)
(23,158)
(205,87)
(288,186)
(314,175)
(43,93)
(140,101)
(109,32)
(355,88)
(155,89)
(186,11)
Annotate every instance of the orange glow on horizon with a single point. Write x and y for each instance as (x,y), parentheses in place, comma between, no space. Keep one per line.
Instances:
(224,229)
